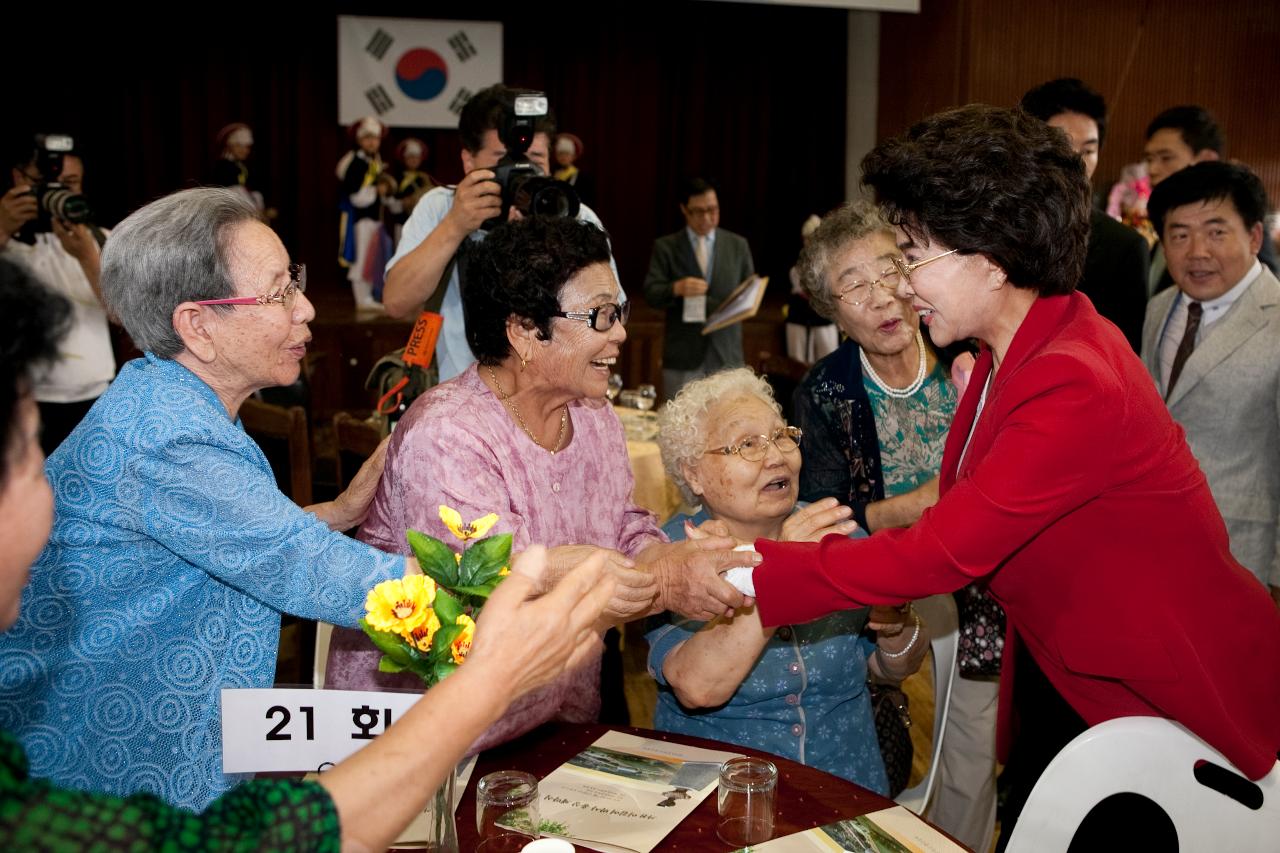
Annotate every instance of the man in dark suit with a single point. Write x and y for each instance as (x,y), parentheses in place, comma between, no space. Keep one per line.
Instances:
(690,274)
(1177,138)
(1115,266)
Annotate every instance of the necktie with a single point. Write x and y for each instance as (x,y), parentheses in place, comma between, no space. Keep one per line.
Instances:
(1186,345)
(700,250)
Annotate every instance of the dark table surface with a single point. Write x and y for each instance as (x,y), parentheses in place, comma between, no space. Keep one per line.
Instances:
(806,797)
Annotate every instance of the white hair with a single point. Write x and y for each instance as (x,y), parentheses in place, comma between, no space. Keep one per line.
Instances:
(682,422)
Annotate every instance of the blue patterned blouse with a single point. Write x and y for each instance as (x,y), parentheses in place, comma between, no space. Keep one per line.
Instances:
(172,556)
(806,698)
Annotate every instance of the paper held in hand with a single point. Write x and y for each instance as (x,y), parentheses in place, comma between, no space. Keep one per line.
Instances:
(739,305)
(626,793)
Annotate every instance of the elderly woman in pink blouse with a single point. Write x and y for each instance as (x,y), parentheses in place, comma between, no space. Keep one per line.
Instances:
(526,432)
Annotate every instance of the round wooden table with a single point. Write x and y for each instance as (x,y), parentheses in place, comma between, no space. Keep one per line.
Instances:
(806,797)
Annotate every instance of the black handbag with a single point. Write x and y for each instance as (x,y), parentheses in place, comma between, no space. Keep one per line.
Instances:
(980,646)
(893,731)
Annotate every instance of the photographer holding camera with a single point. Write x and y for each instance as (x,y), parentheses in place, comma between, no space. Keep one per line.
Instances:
(45,227)
(498,126)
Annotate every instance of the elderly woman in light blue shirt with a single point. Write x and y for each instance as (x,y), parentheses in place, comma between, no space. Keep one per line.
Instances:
(797,691)
(173,552)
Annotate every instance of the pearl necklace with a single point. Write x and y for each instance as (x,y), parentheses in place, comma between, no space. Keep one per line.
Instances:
(506,398)
(898,393)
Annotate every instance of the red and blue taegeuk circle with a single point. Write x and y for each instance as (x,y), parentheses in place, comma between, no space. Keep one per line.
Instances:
(421,74)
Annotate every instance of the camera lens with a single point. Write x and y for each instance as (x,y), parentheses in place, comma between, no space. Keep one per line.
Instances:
(555,198)
(541,196)
(63,204)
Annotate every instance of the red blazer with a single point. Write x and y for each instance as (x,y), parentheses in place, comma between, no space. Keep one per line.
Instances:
(1080,499)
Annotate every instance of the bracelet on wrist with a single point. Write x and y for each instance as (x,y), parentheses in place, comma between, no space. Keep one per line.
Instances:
(915,635)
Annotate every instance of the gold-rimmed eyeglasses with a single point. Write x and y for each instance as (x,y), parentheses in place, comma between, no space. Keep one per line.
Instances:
(286,296)
(906,269)
(860,291)
(753,448)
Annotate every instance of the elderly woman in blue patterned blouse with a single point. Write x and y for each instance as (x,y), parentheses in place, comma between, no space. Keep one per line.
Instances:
(173,552)
(797,691)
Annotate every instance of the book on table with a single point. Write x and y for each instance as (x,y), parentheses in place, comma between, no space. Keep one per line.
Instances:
(892,830)
(624,794)
(742,303)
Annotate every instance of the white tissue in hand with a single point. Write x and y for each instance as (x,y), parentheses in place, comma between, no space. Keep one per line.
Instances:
(740,578)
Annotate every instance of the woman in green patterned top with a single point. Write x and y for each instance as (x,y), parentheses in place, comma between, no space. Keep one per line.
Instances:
(875,415)
(365,801)
(879,407)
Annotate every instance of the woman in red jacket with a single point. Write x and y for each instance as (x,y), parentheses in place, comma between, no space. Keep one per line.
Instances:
(1065,483)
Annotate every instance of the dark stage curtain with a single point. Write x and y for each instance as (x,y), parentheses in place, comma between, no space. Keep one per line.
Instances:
(752,96)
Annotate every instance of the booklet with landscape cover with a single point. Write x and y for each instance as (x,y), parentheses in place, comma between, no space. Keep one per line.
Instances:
(741,304)
(894,830)
(626,793)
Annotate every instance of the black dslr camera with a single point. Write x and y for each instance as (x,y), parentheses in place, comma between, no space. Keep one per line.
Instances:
(54,200)
(525,186)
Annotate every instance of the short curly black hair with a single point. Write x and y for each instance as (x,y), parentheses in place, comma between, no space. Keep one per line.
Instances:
(519,270)
(989,181)
(33,319)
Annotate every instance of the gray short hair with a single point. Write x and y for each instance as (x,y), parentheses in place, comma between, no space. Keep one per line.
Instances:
(682,422)
(839,228)
(171,251)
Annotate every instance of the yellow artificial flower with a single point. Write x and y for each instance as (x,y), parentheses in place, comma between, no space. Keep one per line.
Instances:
(461,645)
(504,571)
(474,530)
(400,605)
(422,636)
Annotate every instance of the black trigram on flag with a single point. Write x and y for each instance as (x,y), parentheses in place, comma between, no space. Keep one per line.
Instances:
(379,98)
(460,100)
(462,46)
(379,44)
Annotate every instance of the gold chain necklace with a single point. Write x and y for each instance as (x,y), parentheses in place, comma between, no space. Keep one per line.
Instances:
(506,398)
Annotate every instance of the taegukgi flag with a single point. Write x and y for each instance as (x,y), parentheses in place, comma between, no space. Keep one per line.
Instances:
(411,72)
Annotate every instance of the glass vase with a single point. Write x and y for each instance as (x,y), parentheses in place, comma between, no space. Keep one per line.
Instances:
(438,819)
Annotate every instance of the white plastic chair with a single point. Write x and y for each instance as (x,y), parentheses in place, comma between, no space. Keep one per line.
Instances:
(939,613)
(1156,758)
(324,633)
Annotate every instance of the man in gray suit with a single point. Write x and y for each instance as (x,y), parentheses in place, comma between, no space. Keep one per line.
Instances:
(1212,343)
(690,274)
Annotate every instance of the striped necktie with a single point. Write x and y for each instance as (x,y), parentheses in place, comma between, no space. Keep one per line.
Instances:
(1186,345)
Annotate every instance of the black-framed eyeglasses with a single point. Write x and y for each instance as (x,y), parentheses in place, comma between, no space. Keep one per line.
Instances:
(286,296)
(906,269)
(602,317)
(753,448)
(860,291)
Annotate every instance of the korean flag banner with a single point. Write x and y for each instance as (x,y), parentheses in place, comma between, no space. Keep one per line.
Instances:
(411,72)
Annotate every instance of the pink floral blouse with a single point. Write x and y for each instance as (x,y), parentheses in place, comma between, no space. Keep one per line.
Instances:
(458,446)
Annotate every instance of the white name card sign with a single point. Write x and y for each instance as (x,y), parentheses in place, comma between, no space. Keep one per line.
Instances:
(303,730)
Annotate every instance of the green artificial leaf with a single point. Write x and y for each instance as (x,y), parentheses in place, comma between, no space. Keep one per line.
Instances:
(447,607)
(485,559)
(444,669)
(391,645)
(436,559)
(388,665)
(440,643)
(482,591)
